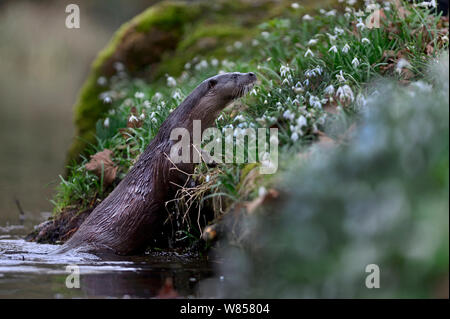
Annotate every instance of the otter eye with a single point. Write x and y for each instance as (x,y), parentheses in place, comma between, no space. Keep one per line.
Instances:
(212,83)
(234,77)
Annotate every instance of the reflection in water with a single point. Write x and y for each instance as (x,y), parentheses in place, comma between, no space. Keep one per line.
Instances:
(28,271)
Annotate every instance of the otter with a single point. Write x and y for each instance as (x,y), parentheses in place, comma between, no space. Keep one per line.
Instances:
(128,219)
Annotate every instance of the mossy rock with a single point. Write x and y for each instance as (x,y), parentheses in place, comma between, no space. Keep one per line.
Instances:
(161,40)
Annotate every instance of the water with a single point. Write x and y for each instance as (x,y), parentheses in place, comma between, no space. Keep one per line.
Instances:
(27,270)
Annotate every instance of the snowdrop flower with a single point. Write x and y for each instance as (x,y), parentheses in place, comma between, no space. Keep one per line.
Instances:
(142,116)
(187,66)
(119,66)
(301,121)
(346,48)
(133,119)
(329,90)
(239,118)
(351,2)
(295,6)
(203,64)
(255,42)
(106,122)
(365,40)
(139,95)
(332,37)
(294,136)
(345,93)
(444,38)
(427,4)
(402,63)
(307,17)
(265,34)
(171,82)
(253,92)
(285,81)
(102,81)
(314,101)
(355,62)
(147,104)
(331,13)
(214,62)
(333,48)
(338,31)
(284,70)
(288,115)
(158,96)
(238,44)
(107,99)
(312,42)
(309,53)
(372,7)
(176,95)
(360,24)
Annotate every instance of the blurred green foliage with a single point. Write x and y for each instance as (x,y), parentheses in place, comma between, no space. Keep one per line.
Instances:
(382,198)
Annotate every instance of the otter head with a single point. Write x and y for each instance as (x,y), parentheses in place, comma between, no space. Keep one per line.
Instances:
(224,88)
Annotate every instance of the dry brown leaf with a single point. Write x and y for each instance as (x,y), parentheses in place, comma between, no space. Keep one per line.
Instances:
(102,161)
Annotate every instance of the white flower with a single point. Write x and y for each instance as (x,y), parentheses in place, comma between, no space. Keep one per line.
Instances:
(444,38)
(107,99)
(253,92)
(176,95)
(139,95)
(214,62)
(360,24)
(238,44)
(307,17)
(288,115)
(331,13)
(345,93)
(329,89)
(295,6)
(255,42)
(187,66)
(312,42)
(265,34)
(338,30)
(147,104)
(355,62)
(118,66)
(142,116)
(133,119)
(333,48)
(301,121)
(309,53)
(102,81)
(207,178)
(314,101)
(365,40)
(402,63)
(239,118)
(158,96)
(106,122)
(332,37)
(351,2)
(284,70)
(427,4)
(203,64)
(294,136)
(346,48)
(171,82)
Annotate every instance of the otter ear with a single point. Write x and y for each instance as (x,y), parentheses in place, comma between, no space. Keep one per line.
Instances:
(212,83)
